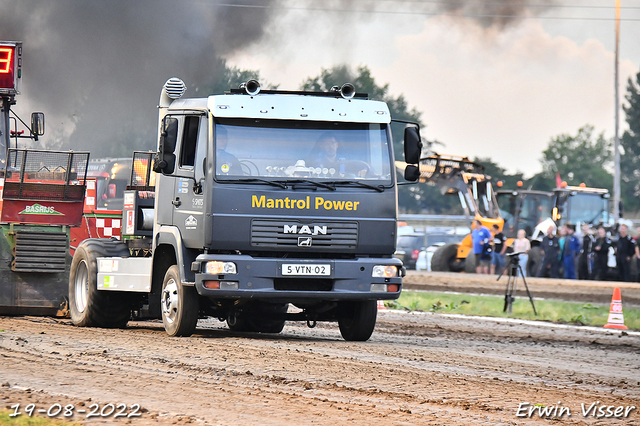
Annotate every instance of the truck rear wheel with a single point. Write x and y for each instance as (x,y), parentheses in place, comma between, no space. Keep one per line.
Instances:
(179,305)
(357,320)
(89,306)
(444,257)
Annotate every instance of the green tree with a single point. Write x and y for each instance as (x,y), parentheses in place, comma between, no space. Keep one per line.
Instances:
(583,158)
(630,142)
(413,198)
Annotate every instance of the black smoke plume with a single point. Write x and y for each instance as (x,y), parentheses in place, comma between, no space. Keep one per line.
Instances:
(96,67)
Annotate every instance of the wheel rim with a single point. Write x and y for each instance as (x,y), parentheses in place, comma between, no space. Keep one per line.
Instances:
(170,301)
(81,286)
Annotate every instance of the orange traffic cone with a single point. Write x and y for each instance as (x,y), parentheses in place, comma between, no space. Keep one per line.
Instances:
(616,318)
(381,305)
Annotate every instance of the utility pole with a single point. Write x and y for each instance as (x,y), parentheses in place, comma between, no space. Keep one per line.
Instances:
(616,158)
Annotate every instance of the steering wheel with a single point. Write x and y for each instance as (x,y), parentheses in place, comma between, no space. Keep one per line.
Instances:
(356,167)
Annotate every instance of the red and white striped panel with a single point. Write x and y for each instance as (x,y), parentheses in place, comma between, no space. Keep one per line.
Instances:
(107,228)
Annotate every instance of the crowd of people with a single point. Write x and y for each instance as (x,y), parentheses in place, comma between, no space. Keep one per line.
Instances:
(563,253)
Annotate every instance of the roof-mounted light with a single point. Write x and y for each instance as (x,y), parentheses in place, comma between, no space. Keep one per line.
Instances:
(252,87)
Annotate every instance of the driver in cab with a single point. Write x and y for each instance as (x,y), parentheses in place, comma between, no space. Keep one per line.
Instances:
(325,155)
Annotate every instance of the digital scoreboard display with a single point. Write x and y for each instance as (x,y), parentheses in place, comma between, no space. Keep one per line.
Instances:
(10,67)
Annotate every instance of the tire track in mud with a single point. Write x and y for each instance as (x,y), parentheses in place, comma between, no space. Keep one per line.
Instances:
(453,376)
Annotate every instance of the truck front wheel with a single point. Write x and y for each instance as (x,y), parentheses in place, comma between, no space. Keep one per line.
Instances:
(357,320)
(89,306)
(179,305)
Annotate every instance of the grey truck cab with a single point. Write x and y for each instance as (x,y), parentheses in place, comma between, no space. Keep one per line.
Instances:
(266,199)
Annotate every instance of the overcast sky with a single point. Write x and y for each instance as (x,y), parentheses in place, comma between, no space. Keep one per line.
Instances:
(501,91)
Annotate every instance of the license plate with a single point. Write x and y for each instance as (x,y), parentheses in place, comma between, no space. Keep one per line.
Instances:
(298,269)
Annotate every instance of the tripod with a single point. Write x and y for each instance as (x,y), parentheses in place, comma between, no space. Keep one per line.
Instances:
(513,269)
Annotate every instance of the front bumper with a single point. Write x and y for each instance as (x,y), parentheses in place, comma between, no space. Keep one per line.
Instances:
(262,278)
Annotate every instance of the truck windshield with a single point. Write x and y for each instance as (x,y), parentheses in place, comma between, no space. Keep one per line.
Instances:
(585,208)
(523,211)
(293,150)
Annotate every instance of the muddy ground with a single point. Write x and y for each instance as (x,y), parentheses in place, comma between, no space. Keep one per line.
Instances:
(417,369)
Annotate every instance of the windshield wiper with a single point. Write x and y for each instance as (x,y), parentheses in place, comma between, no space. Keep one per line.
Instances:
(379,188)
(247,180)
(312,182)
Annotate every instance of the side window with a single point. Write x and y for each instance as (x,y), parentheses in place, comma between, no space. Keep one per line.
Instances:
(189,139)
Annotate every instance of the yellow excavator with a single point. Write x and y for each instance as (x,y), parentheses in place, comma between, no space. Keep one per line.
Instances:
(460,176)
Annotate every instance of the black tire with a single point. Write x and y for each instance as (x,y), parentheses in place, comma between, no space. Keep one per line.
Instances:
(443,257)
(534,261)
(179,305)
(357,320)
(259,317)
(470,263)
(90,307)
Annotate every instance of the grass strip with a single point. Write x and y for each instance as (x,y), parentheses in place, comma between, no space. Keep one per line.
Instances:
(548,310)
(35,420)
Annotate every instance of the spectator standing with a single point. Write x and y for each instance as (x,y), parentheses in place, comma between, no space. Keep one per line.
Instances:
(499,249)
(637,258)
(562,234)
(585,262)
(481,237)
(571,251)
(625,251)
(522,245)
(550,250)
(601,255)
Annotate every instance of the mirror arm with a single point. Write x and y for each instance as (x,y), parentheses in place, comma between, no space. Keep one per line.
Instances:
(32,135)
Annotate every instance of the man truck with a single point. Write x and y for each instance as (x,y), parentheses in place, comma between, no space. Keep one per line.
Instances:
(262,199)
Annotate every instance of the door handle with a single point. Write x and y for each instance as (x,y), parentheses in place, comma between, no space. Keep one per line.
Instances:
(176,202)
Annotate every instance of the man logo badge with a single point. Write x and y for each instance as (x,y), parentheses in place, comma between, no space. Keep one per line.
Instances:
(304,241)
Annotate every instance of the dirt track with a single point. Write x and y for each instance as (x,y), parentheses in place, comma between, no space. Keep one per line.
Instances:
(416,369)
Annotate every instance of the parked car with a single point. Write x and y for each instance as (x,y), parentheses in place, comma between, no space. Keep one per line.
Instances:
(424,257)
(408,248)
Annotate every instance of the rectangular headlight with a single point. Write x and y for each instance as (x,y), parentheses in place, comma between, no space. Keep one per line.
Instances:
(219,268)
(384,271)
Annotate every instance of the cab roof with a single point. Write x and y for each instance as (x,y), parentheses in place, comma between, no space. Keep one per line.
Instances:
(294,106)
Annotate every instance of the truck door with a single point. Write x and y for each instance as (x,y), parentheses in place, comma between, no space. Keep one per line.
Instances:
(188,205)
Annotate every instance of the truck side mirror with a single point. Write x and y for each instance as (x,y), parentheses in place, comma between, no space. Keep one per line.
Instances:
(412,145)
(411,173)
(165,158)
(37,123)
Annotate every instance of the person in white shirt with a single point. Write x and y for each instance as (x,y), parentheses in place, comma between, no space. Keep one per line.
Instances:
(522,245)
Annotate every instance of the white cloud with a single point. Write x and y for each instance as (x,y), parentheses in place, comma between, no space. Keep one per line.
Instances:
(505,95)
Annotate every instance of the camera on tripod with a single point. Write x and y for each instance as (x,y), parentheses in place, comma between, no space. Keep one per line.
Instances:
(514,257)
(513,271)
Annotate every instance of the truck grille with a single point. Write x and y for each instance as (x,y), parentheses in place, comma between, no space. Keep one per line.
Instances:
(271,233)
(39,252)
